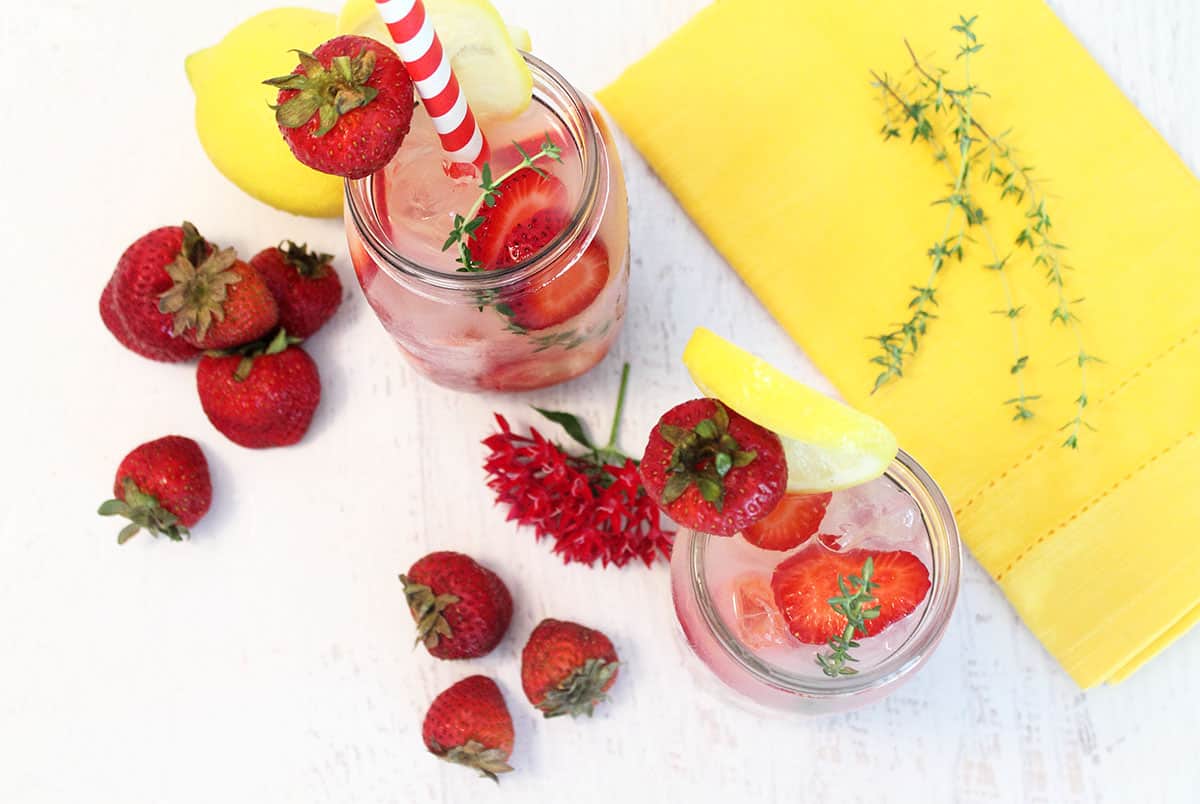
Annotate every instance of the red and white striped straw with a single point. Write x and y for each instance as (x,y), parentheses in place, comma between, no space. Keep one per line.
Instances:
(429,67)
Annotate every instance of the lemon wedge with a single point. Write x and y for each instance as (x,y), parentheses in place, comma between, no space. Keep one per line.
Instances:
(828,445)
(483,50)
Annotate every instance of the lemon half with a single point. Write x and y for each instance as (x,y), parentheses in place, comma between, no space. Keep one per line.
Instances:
(829,445)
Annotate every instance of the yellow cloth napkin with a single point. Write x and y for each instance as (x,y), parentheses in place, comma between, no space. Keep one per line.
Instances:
(759,115)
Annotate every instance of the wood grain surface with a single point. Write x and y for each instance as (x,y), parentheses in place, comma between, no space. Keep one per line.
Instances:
(269,660)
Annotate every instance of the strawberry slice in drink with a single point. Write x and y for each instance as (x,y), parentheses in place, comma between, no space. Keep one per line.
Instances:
(529,213)
(804,583)
(791,523)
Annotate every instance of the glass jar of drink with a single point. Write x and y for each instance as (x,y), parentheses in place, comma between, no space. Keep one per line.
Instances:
(722,589)
(553,309)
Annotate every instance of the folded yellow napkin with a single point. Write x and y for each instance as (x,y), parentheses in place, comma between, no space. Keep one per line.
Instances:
(760,117)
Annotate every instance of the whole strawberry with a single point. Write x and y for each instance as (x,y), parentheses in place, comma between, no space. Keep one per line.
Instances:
(461,609)
(262,396)
(566,669)
(162,486)
(129,303)
(712,469)
(303,283)
(469,724)
(216,301)
(346,107)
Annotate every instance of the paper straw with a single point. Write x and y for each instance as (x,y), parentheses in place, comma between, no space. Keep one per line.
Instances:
(427,64)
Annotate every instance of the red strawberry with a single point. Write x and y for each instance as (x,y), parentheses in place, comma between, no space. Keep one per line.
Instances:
(529,213)
(530,210)
(303,283)
(263,398)
(712,469)
(129,303)
(566,669)
(566,295)
(804,583)
(469,724)
(461,609)
(162,486)
(217,300)
(790,523)
(346,107)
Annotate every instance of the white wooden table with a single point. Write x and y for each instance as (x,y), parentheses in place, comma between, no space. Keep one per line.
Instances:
(269,660)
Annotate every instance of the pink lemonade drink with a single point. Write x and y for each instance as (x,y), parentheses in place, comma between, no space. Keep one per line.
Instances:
(726,593)
(545,294)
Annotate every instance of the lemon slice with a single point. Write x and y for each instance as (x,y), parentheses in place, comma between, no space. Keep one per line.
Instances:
(482,50)
(828,445)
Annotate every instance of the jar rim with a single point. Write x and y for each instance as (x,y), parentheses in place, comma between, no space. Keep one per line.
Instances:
(547,84)
(945,573)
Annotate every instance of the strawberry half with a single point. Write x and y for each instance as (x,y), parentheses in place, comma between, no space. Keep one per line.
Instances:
(804,583)
(565,296)
(530,211)
(791,523)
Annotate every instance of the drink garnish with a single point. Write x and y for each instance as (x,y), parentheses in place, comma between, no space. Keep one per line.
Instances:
(857,606)
(829,445)
(463,233)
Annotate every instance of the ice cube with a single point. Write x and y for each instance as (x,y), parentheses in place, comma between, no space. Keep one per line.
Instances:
(758,622)
(875,514)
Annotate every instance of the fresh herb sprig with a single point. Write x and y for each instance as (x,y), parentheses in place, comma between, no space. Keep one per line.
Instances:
(857,605)
(1014,179)
(465,225)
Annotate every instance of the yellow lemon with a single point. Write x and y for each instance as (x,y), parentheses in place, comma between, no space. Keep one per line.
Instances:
(482,50)
(233,116)
(828,445)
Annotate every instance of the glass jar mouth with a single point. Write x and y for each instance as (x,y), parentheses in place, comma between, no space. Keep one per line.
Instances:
(566,103)
(945,574)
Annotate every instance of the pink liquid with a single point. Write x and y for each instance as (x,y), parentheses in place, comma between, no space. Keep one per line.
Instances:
(874,516)
(452,341)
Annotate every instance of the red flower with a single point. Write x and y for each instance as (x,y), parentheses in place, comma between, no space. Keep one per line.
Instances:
(592,506)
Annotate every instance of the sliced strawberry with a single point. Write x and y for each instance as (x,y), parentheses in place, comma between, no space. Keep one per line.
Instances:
(790,524)
(565,296)
(530,211)
(804,583)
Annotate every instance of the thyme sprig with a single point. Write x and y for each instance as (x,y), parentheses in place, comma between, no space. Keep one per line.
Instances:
(465,225)
(974,214)
(1014,179)
(857,605)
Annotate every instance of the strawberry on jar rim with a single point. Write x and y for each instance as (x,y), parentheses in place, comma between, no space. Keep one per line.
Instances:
(712,469)
(347,106)
(162,486)
(461,608)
